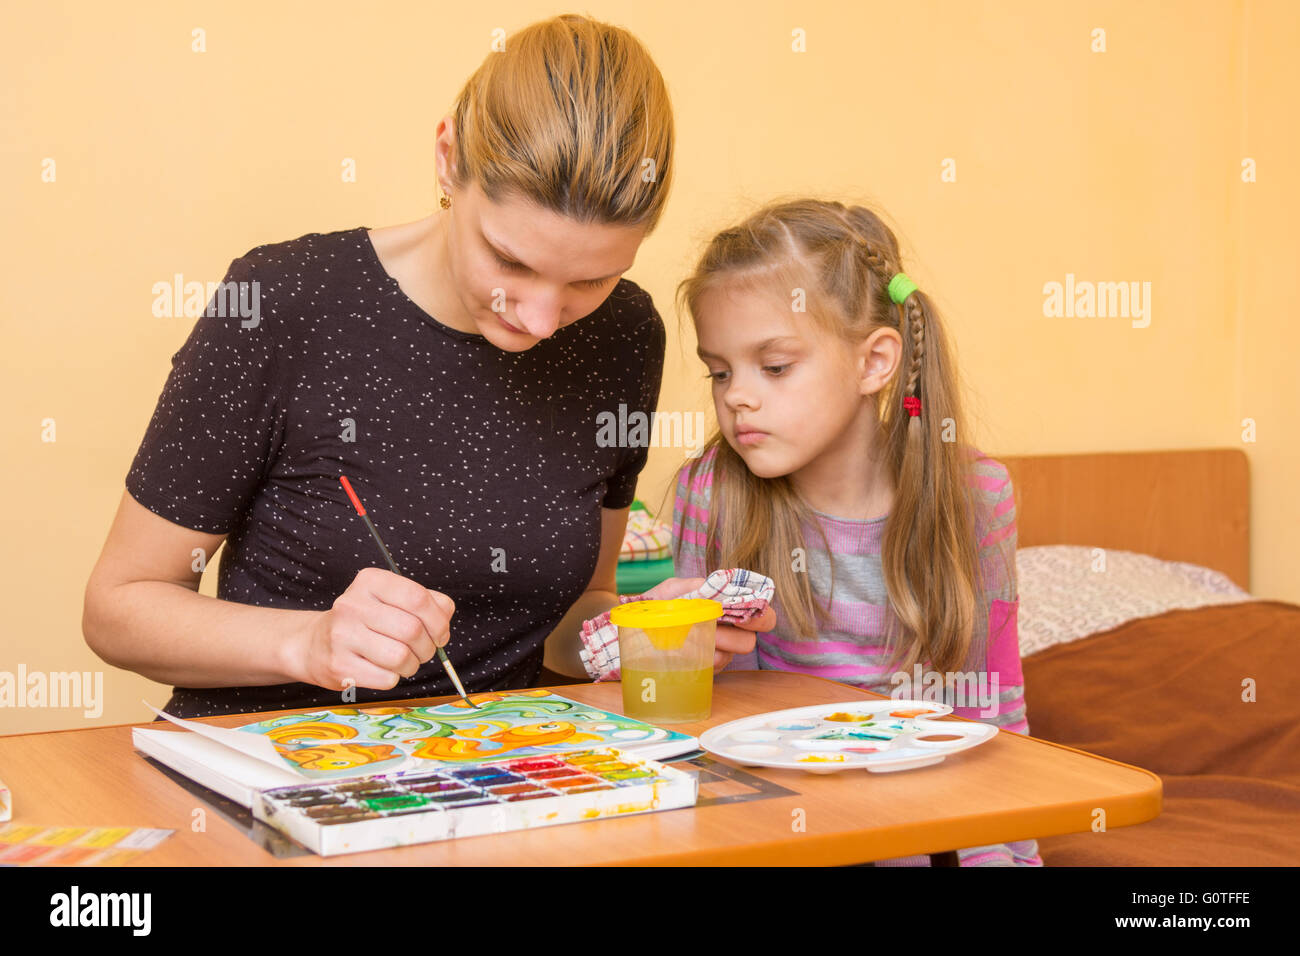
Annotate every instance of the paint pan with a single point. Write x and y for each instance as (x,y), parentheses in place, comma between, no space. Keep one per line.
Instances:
(881,736)
(350,816)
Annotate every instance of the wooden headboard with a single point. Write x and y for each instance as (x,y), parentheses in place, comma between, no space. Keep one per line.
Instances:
(1175,505)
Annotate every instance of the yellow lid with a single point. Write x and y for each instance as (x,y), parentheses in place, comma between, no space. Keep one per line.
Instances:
(666,613)
(666,622)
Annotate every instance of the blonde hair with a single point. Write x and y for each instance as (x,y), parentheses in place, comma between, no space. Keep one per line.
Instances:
(572,115)
(843,257)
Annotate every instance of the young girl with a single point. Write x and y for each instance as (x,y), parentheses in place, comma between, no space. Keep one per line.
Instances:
(839,470)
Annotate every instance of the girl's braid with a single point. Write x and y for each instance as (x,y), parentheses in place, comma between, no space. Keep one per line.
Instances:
(909,309)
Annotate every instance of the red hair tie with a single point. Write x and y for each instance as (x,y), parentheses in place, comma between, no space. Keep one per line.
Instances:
(912,404)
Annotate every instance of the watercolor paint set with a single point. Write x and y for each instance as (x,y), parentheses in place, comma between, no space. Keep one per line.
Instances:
(383,811)
(875,735)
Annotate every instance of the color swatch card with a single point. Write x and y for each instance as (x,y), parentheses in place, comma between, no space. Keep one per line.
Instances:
(374,813)
(23,844)
(505,725)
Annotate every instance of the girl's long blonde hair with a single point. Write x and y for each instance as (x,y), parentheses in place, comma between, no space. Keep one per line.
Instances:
(843,258)
(572,115)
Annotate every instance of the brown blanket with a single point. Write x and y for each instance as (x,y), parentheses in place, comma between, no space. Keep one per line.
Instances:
(1165,693)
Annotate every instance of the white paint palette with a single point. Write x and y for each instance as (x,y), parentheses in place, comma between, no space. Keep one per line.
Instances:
(876,735)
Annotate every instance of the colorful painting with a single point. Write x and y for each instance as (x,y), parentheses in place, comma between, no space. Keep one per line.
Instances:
(505,725)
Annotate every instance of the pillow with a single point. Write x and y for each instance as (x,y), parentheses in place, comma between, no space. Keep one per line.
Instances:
(1063,599)
(646,538)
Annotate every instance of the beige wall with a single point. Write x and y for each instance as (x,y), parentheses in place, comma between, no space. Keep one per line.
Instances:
(1123,165)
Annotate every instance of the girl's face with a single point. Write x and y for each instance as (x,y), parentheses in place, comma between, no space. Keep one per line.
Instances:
(784,391)
(522,272)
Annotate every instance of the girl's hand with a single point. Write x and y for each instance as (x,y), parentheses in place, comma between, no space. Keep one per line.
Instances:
(381,629)
(673,587)
(729,639)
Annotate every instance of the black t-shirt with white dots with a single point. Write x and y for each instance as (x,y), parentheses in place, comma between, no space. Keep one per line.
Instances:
(481,468)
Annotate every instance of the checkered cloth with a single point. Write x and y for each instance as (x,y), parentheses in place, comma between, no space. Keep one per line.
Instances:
(646,538)
(742,594)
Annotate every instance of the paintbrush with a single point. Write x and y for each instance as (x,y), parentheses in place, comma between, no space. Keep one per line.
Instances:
(442,654)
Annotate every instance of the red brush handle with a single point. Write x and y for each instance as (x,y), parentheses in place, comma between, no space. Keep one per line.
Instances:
(356,502)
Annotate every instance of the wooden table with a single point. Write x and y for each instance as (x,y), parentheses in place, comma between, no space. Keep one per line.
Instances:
(1011,788)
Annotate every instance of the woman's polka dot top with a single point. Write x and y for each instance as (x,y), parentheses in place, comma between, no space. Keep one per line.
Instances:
(483,470)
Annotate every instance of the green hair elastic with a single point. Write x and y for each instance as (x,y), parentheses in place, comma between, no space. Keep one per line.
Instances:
(900,287)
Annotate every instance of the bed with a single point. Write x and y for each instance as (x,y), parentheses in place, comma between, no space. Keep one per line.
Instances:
(1141,642)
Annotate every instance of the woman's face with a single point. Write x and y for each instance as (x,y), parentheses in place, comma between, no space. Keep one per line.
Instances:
(521,272)
(799,389)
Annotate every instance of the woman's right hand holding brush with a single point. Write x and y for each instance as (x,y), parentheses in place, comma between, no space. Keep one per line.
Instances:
(382,628)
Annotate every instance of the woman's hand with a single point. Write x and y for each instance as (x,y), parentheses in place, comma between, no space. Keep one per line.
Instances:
(381,629)
(728,639)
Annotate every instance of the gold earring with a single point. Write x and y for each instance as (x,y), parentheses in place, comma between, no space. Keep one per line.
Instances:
(445,202)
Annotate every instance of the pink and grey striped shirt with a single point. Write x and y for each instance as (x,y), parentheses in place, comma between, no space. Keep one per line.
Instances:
(850,648)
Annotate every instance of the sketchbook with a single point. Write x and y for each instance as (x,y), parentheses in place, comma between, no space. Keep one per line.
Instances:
(345,742)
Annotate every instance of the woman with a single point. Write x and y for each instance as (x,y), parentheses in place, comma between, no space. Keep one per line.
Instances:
(453,369)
